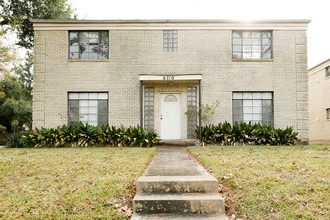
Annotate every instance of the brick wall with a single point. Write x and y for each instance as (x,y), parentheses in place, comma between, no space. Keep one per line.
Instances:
(206,52)
(319,101)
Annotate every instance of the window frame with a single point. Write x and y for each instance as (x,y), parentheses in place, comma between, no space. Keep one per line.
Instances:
(88,31)
(242,44)
(167,47)
(327,71)
(272,105)
(87,92)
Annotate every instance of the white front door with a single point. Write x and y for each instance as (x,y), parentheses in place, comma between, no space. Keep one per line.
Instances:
(170,119)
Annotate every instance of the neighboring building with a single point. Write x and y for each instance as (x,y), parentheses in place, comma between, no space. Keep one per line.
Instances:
(151,72)
(319,103)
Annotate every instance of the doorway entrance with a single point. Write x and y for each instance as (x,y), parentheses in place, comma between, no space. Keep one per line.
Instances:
(170,116)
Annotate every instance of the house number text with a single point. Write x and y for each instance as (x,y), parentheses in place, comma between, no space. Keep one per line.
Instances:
(168,77)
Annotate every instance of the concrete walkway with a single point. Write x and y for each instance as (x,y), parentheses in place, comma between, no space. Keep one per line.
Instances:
(175,186)
(174,161)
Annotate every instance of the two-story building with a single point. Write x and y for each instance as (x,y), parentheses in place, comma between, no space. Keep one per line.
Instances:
(150,72)
(319,102)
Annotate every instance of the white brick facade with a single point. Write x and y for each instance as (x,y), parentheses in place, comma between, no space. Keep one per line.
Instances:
(204,48)
(319,102)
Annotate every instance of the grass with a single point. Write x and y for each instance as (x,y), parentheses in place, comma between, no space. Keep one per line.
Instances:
(266,182)
(69,183)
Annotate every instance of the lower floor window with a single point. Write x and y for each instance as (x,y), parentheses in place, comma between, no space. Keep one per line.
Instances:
(255,107)
(88,107)
(328,113)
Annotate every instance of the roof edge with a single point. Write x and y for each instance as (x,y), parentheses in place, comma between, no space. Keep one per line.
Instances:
(162,21)
(169,24)
(318,67)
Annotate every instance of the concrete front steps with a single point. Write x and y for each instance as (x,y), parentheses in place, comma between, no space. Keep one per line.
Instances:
(178,197)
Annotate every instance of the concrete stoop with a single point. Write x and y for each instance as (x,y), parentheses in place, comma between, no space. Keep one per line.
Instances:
(178,197)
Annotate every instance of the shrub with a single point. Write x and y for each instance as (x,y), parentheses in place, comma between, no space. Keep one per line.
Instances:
(16,141)
(247,134)
(84,135)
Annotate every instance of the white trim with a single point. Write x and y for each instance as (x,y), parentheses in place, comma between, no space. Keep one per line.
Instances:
(319,67)
(169,24)
(169,77)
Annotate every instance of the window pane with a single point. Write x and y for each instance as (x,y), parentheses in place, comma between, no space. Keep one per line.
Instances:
(73,111)
(257,117)
(237,55)
(83,109)
(256,34)
(83,103)
(267,106)
(102,95)
(247,34)
(267,95)
(102,107)
(92,110)
(237,48)
(74,55)
(237,34)
(257,109)
(256,102)
(237,41)
(74,49)
(247,95)
(248,117)
(248,109)
(83,118)
(237,95)
(92,103)
(237,111)
(73,95)
(92,117)
(92,95)
(247,103)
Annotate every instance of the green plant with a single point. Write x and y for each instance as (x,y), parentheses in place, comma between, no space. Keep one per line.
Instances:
(247,134)
(207,112)
(16,141)
(84,135)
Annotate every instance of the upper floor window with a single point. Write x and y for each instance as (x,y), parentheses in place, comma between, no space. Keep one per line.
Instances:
(252,44)
(170,40)
(88,44)
(327,71)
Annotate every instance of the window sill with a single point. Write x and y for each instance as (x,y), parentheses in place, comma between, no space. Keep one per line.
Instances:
(327,77)
(88,60)
(252,60)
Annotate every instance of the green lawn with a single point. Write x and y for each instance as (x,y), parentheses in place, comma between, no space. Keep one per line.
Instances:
(265,182)
(69,183)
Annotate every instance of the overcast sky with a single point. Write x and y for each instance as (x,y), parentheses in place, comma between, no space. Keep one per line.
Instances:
(315,10)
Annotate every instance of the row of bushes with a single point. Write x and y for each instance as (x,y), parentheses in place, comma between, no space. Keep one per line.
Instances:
(84,135)
(247,134)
